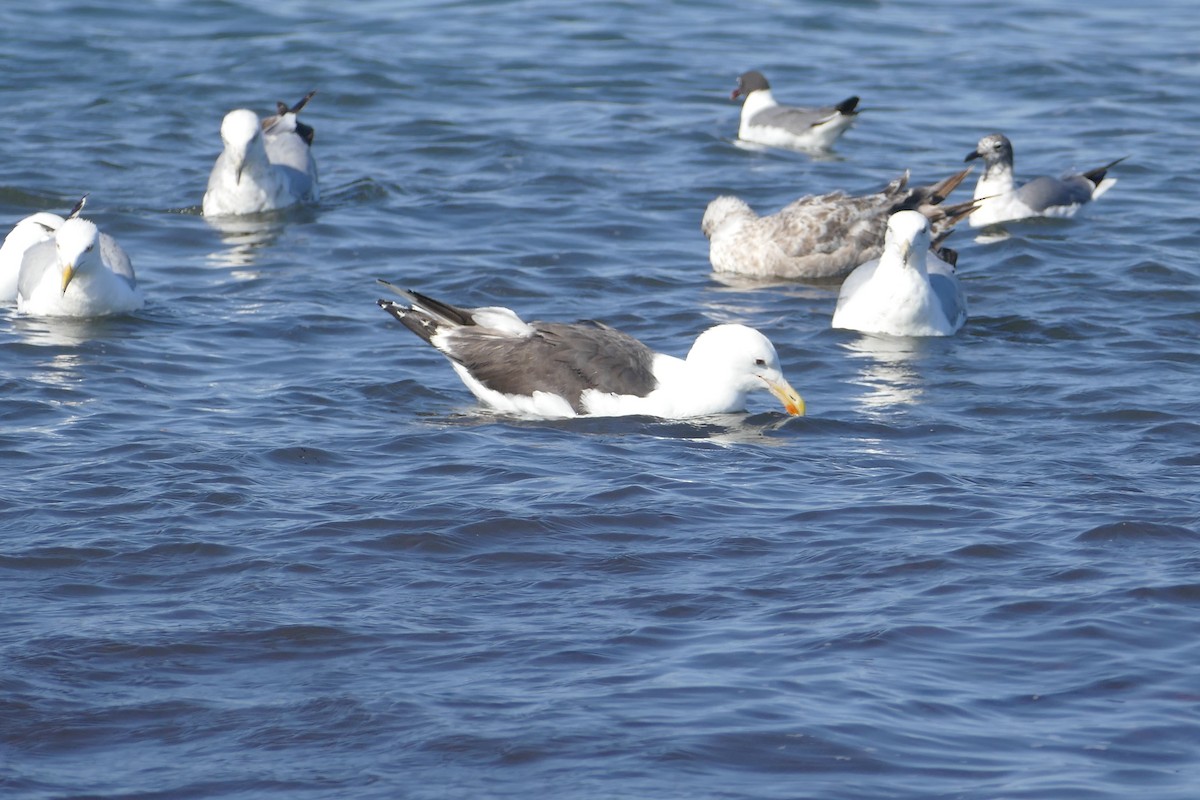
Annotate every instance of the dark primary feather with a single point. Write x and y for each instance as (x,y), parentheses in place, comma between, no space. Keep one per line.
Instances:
(1096,175)
(847,106)
(283,108)
(452,314)
(305,132)
(77,209)
(421,324)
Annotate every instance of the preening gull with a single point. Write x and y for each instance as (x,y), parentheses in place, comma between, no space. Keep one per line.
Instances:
(819,236)
(765,121)
(557,370)
(908,291)
(265,165)
(77,272)
(1001,200)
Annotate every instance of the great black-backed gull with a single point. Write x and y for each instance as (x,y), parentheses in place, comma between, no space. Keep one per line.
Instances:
(556,370)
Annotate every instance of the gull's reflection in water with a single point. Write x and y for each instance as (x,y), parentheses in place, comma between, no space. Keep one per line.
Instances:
(886,370)
(58,332)
(52,369)
(243,237)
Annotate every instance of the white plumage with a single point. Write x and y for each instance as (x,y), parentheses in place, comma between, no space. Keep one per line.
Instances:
(265,166)
(907,291)
(79,272)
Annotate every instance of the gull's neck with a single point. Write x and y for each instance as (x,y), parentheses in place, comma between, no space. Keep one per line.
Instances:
(997,178)
(756,101)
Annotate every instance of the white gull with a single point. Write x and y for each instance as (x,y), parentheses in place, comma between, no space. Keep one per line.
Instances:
(907,291)
(78,272)
(264,166)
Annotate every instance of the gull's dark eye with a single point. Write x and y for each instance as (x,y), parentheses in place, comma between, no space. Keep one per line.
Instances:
(758,362)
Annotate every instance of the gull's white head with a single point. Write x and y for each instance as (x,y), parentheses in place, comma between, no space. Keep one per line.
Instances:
(76,245)
(744,358)
(907,233)
(239,130)
(722,210)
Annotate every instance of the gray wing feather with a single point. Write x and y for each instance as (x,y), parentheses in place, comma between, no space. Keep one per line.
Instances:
(292,156)
(1046,192)
(793,118)
(116,259)
(948,290)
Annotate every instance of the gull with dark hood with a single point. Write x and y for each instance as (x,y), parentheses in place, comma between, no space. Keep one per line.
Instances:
(765,121)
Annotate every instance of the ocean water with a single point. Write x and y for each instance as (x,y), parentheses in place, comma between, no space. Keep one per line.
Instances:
(258,541)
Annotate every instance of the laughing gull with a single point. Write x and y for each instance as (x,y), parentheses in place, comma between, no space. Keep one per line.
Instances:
(265,165)
(764,121)
(908,291)
(77,272)
(819,236)
(555,370)
(1001,200)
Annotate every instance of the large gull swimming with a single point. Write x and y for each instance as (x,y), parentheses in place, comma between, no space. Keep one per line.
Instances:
(1002,200)
(557,370)
(907,291)
(765,121)
(265,165)
(77,272)
(819,236)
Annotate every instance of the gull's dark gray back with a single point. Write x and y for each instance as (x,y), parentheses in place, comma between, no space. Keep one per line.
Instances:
(562,358)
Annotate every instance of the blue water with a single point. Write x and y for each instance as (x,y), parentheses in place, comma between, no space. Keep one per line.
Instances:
(259,541)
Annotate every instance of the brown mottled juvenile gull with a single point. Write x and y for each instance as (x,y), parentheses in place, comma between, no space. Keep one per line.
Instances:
(1002,200)
(819,236)
(764,121)
(556,370)
(265,165)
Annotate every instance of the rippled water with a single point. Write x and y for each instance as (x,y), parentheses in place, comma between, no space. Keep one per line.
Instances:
(260,542)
